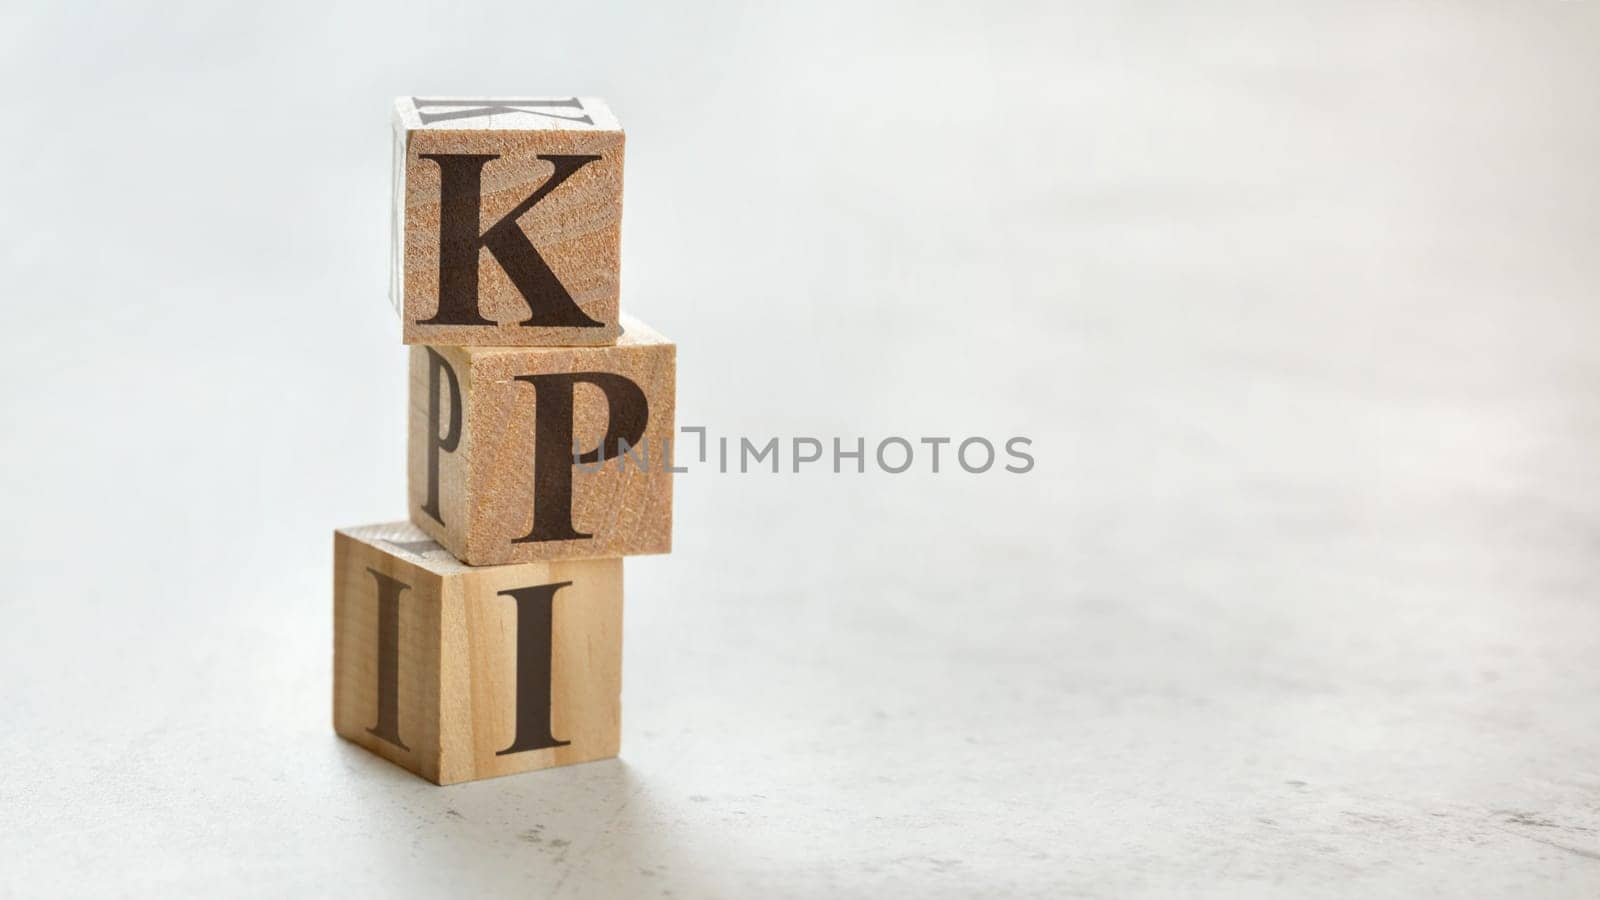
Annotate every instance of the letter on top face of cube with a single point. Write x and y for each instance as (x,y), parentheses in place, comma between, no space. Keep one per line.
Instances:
(519,454)
(507,221)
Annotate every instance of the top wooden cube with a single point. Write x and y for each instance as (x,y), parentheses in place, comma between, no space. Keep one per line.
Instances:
(507,221)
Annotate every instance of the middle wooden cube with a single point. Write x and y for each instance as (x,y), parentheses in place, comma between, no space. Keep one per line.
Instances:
(521,454)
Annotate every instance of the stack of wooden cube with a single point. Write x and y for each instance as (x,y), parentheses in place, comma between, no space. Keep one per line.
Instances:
(484,636)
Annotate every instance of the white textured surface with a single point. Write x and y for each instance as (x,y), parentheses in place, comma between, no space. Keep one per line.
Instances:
(1299,305)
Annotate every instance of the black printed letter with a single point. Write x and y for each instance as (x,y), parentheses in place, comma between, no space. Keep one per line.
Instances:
(436,441)
(388,727)
(535,616)
(552,443)
(461,181)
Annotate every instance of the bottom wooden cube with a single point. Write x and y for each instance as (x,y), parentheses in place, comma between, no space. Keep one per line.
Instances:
(459,672)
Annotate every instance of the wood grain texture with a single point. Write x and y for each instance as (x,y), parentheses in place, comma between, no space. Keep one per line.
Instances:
(457,656)
(576,228)
(489,488)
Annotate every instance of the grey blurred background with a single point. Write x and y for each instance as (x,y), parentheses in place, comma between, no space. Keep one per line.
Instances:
(1297,301)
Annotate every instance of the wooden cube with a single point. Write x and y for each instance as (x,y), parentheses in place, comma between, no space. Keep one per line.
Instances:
(539,453)
(459,673)
(507,221)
